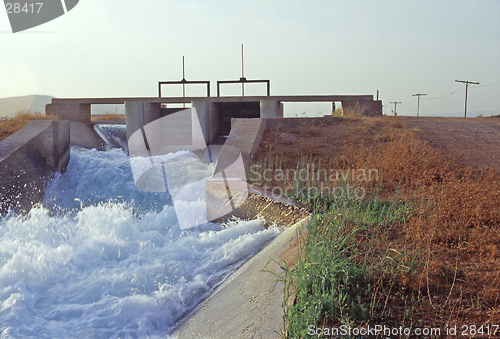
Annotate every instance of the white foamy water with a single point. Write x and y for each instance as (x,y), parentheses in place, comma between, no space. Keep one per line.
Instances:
(102,259)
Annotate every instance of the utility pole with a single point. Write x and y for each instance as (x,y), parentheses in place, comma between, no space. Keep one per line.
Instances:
(466,88)
(395,104)
(418,101)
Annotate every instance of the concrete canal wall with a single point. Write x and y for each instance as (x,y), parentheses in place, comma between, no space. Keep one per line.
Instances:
(28,159)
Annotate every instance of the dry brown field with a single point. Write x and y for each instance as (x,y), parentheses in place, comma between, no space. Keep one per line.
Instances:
(448,169)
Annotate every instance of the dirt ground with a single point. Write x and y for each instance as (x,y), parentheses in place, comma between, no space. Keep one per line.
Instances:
(477,139)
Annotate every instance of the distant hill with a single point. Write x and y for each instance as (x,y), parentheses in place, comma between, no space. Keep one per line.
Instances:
(35,103)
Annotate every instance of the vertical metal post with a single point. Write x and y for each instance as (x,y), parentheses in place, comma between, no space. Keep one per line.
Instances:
(242,65)
(183,84)
(242,73)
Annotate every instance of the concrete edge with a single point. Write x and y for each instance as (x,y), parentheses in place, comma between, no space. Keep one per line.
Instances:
(249,304)
(18,139)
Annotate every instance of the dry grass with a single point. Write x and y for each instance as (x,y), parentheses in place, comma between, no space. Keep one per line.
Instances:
(322,139)
(11,125)
(108,117)
(455,229)
(447,252)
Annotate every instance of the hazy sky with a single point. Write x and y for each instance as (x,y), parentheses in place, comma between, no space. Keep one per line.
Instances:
(115,48)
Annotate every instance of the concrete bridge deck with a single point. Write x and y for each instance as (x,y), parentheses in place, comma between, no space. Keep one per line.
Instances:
(180,100)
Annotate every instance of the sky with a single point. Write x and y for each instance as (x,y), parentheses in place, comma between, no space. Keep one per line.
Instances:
(120,48)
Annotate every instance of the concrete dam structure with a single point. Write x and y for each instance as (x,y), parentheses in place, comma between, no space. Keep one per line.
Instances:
(51,140)
(214,113)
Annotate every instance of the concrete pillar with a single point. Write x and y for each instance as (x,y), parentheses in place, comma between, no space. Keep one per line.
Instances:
(69,111)
(213,121)
(271,109)
(140,113)
(202,110)
(208,119)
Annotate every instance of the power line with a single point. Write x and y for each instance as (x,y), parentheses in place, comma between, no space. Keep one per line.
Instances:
(408,103)
(498,83)
(466,88)
(418,100)
(446,95)
(395,104)
(460,90)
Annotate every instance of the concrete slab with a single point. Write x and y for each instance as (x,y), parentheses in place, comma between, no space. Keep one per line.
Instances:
(280,98)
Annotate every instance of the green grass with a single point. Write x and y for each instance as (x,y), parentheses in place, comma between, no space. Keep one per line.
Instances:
(327,282)
(333,280)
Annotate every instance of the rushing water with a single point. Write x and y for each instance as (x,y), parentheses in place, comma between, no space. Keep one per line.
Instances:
(101,259)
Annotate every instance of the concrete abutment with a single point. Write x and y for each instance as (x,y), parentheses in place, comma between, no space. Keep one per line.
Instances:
(73,111)
(271,109)
(362,108)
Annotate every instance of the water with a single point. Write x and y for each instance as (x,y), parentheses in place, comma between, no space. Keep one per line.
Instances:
(101,259)
(115,136)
